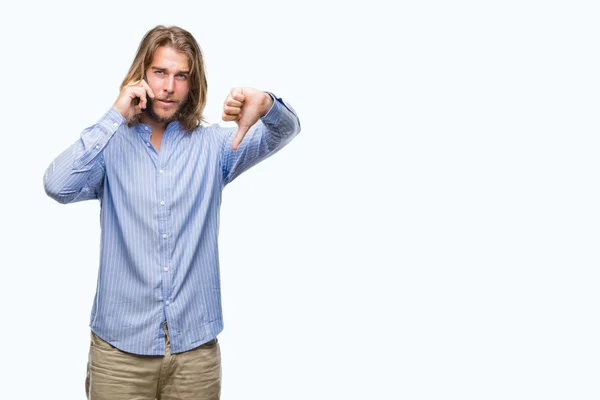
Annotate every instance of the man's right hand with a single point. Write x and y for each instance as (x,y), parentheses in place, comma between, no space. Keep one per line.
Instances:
(127,104)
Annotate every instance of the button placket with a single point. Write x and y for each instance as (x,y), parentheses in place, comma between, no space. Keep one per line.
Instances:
(165,228)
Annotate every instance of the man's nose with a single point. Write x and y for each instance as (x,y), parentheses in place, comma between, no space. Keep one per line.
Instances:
(169,84)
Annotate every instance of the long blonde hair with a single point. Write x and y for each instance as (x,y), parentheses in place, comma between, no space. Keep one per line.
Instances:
(181,40)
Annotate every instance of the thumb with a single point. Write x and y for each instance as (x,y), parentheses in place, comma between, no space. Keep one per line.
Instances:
(237,90)
(241,132)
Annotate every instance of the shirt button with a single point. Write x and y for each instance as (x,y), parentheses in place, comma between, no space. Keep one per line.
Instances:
(146,128)
(115,124)
(161,171)
(166,269)
(162,203)
(167,302)
(97,146)
(164,235)
(148,144)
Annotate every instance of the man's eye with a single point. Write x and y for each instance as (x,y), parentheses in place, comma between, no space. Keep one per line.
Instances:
(182,76)
(159,72)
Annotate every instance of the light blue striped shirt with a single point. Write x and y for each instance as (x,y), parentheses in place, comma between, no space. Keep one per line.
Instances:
(159,219)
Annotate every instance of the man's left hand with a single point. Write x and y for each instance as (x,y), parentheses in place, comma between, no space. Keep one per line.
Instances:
(245,106)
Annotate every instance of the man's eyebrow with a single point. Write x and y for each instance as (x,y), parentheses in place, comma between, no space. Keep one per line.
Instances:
(164,69)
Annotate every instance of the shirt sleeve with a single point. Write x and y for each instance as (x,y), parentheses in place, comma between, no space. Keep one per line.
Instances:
(77,173)
(265,138)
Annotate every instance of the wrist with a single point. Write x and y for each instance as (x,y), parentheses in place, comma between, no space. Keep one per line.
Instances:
(119,110)
(267,104)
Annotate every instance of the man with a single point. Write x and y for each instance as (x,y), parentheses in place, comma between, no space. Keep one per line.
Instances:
(159,175)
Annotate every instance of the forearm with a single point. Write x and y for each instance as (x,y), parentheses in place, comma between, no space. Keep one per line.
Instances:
(77,173)
(271,133)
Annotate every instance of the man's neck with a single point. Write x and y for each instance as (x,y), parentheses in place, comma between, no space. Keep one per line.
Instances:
(157,127)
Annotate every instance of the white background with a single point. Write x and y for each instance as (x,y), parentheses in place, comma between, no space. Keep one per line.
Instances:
(432,233)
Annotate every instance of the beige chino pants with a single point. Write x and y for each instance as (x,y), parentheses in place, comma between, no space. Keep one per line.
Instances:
(113,374)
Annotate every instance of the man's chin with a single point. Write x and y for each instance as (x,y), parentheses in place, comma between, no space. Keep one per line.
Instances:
(165,117)
(160,116)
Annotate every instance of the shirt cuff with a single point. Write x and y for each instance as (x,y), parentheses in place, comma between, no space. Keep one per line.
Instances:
(273,115)
(111,117)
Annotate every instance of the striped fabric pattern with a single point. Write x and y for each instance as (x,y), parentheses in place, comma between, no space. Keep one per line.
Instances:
(159,218)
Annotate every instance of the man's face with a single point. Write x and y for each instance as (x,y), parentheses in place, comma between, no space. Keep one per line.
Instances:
(168,77)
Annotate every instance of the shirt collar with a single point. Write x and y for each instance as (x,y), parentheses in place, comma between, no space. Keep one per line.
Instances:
(145,130)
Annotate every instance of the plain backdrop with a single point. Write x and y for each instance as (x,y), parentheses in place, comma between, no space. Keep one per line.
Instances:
(432,233)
